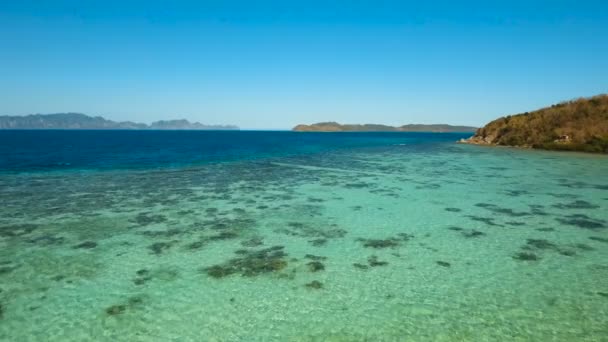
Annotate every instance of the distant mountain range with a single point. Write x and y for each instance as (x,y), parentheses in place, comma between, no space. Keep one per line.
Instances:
(82,121)
(336,127)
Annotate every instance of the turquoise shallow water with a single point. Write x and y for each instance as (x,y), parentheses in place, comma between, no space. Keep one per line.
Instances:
(436,242)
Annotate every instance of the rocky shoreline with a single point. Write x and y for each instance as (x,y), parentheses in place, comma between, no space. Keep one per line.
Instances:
(580,125)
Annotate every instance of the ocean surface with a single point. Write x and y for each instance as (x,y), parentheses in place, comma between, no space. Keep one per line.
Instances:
(282,236)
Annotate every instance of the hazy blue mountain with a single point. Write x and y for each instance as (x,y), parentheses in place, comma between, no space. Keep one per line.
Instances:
(82,121)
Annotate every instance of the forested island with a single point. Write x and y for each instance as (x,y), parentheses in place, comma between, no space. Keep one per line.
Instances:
(82,121)
(336,127)
(577,125)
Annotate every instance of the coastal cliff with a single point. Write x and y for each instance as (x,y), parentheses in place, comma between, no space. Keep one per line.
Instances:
(578,125)
(336,127)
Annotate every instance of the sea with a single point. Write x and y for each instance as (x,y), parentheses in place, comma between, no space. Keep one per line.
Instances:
(289,236)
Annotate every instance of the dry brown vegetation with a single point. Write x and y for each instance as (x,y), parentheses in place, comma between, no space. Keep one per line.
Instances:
(584,121)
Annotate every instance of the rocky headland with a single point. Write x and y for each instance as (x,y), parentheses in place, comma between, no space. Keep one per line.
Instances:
(577,125)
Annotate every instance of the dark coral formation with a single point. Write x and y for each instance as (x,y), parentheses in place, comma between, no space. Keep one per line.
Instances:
(498,210)
(578,204)
(540,244)
(472,233)
(315,284)
(253,242)
(196,244)
(599,239)
(374,262)
(224,235)
(145,219)
(315,266)
(251,263)
(584,247)
(159,247)
(515,223)
(315,257)
(380,243)
(47,240)
(17,230)
(318,242)
(119,309)
(306,230)
(390,242)
(467,233)
(4,269)
(86,245)
(526,256)
(162,233)
(360,266)
(143,276)
(582,221)
(487,220)
(116,309)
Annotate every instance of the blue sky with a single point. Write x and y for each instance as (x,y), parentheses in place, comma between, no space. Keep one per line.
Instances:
(274,64)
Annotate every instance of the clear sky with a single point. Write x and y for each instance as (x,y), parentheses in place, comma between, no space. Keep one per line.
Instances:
(274,64)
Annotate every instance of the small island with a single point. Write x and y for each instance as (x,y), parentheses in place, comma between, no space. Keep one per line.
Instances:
(81,121)
(577,125)
(336,127)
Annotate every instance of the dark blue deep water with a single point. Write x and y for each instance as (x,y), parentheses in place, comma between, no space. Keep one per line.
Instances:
(51,150)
